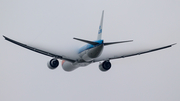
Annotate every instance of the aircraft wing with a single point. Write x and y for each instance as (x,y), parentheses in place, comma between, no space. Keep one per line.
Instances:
(38,50)
(131,54)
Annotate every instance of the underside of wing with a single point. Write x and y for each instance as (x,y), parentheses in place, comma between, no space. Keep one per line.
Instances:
(39,50)
(132,54)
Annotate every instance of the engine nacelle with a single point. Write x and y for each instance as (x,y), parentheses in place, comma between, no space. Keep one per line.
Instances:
(53,63)
(105,66)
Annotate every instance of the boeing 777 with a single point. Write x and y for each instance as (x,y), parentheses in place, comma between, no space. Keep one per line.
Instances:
(87,54)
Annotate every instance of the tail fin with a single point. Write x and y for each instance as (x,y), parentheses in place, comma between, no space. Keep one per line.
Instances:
(100,27)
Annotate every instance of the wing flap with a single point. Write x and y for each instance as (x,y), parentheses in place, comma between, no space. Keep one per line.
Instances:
(38,50)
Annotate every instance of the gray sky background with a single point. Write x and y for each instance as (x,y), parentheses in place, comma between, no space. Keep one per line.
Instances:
(51,25)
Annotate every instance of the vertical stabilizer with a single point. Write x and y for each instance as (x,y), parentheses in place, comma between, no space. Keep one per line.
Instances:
(100,27)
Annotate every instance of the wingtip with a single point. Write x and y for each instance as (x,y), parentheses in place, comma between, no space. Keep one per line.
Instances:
(173,44)
(75,38)
(4,36)
(131,40)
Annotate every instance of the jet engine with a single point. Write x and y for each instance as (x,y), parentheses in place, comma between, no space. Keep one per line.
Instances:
(53,63)
(105,66)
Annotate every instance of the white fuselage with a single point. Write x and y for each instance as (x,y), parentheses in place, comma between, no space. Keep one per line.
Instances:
(86,57)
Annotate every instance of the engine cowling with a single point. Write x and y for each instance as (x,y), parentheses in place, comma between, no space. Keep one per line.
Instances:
(105,66)
(53,63)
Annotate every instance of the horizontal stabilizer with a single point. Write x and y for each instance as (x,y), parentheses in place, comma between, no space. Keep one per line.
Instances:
(109,43)
(86,41)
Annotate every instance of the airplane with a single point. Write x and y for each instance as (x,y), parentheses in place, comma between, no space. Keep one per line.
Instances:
(87,54)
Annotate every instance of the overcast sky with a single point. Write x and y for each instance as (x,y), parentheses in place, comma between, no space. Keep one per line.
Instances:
(52,24)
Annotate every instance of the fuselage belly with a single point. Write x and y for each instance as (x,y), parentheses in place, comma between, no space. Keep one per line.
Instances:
(86,57)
